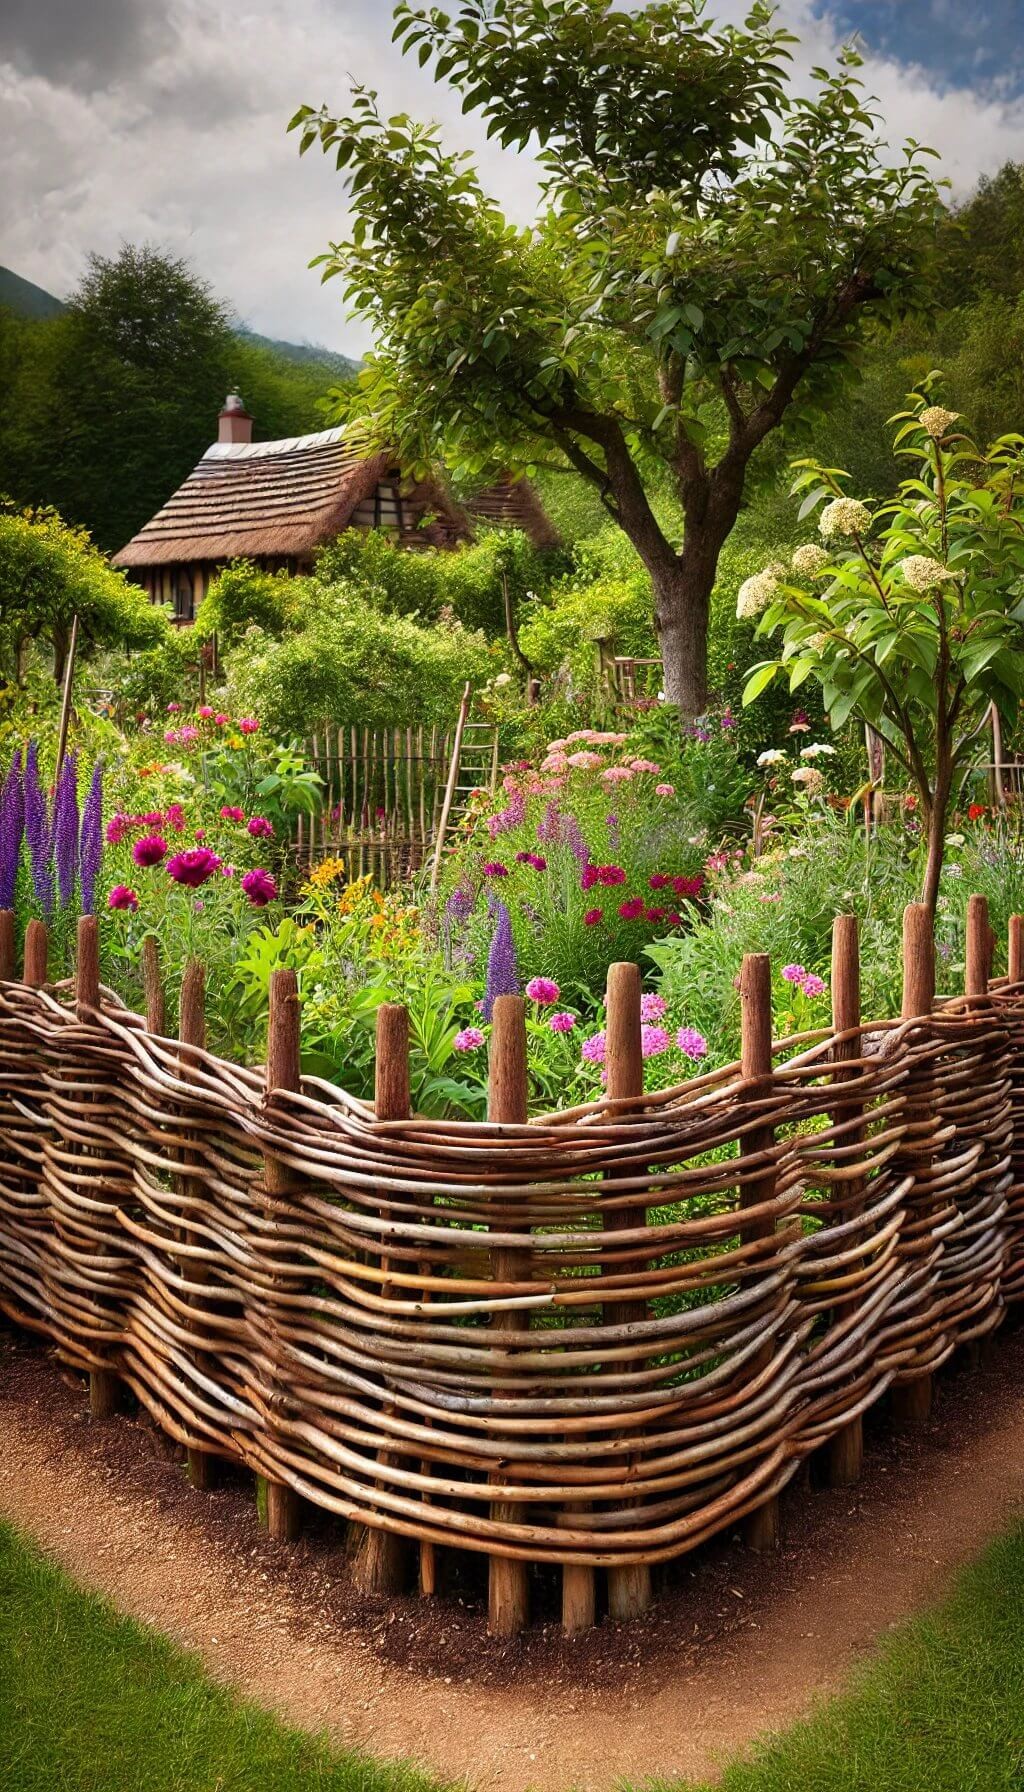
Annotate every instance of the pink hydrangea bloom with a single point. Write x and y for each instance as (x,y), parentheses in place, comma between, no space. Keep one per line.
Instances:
(616,774)
(562,1022)
(653,1007)
(644,765)
(691,1043)
(584,761)
(543,991)
(593,1048)
(260,887)
(468,1040)
(122,897)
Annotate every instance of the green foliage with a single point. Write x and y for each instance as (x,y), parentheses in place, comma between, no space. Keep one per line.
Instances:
(144,683)
(467,582)
(244,596)
(350,663)
(50,573)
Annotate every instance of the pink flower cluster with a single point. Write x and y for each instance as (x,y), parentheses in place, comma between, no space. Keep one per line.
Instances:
(120,826)
(807,981)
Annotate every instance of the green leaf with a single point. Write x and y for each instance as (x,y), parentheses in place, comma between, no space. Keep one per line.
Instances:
(759,680)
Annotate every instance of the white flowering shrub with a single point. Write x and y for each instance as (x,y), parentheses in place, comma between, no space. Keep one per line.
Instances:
(908,615)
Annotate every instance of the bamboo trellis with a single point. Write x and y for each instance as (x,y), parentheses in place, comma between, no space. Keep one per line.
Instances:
(591,1339)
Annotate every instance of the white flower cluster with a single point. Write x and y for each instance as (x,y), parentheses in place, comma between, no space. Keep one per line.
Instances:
(819,642)
(809,777)
(771,756)
(756,593)
(844,516)
(936,422)
(811,560)
(921,572)
(818,749)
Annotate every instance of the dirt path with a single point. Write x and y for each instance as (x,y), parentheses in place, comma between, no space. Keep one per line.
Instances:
(737,1645)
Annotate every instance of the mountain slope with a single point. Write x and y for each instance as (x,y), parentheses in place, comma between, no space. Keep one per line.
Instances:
(25,298)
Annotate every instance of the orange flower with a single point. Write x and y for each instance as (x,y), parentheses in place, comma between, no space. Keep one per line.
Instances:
(976,811)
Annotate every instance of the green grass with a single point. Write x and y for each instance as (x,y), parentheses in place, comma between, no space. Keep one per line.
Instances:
(90,1702)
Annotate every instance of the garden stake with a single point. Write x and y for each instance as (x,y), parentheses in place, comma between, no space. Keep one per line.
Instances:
(1015,950)
(846,1450)
(37,952)
(382,1563)
(911,1401)
(281,1502)
(978,948)
(629,1589)
(507,1104)
(152,982)
(191,1031)
(105,1389)
(761,1527)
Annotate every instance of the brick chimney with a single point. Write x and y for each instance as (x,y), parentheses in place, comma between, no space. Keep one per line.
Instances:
(234,423)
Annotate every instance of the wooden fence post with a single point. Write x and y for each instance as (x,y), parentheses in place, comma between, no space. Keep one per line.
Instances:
(846,1449)
(152,982)
(911,1401)
(7,965)
(383,1562)
(507,1102)
(1015,950)
(37,953)
(978,948)
(761,1527)
(191,1031)
(629,1587)
(105,1388)
(281,1503)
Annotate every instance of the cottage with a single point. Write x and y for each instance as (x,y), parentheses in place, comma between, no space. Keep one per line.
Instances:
(277,502)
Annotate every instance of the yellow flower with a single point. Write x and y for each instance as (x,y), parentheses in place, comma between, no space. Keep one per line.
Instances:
(327,872)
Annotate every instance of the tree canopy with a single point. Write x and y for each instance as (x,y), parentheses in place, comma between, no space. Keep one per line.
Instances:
(708,248)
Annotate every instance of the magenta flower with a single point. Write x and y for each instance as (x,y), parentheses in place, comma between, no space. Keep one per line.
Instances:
(654,1041)
(632,909)
(655,914)
(116,829)
(150,850)
(593,916)
(589,877)
(812,985)
(173,709)
(593,1048)
(154,819)
(175,817)
(122,897)
(468,1040)
(231,813)
(543,991)
(260,887)
(691,1043)
(562,1022)
(248,725)
(221,721)
(688,886)
(610,874)
(205,711)
(793,973)
(659,880)
(536,859)
(495,868)
(171,736)
(653,1007)
(259,827)
(193,867)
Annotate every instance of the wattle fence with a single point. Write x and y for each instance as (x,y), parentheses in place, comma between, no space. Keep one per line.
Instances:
(590,1339)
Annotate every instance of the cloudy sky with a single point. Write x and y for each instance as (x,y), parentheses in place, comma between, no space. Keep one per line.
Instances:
(164,121)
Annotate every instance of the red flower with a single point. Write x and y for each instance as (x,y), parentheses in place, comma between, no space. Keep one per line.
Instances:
(593,916)
(632,909)
(260,887)
(976,811)
(688,886)
(659,880)
(192,868)
(654,914)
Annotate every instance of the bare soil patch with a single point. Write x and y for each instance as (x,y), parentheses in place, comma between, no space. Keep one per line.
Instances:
(736,1645)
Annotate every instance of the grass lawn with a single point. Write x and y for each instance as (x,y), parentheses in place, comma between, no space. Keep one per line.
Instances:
(90,1702)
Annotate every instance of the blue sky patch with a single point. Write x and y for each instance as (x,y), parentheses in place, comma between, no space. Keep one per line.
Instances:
(975,44)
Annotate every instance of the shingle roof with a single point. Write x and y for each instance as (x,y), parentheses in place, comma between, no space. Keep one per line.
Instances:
(285,498)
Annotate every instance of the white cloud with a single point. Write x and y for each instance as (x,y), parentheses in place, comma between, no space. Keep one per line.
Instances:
(174,132)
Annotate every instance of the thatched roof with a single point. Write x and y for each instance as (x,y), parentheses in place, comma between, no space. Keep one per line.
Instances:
(514,504)
(277,499)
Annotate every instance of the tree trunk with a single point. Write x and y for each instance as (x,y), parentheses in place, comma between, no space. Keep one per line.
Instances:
(936,837)
(682,602)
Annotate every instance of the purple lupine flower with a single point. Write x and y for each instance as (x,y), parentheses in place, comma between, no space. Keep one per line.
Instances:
(563,830)
(12,827)
(611,822)
(502,971)
(90,846)
(65,828)
(37,831)
(509,817)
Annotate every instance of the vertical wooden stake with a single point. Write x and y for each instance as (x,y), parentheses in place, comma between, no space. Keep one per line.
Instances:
(191,1031)
(978,948)
(280,1502)
(152,981)
(7,962)
(629,1587)
(37,952)
(761,1528)
(383,1562)
(911,1401)
(507,1102)
(1015,950)
(104,1386)
(846,1450)
(65,702)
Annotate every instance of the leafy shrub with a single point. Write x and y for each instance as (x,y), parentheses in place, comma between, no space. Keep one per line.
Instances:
(243,596)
